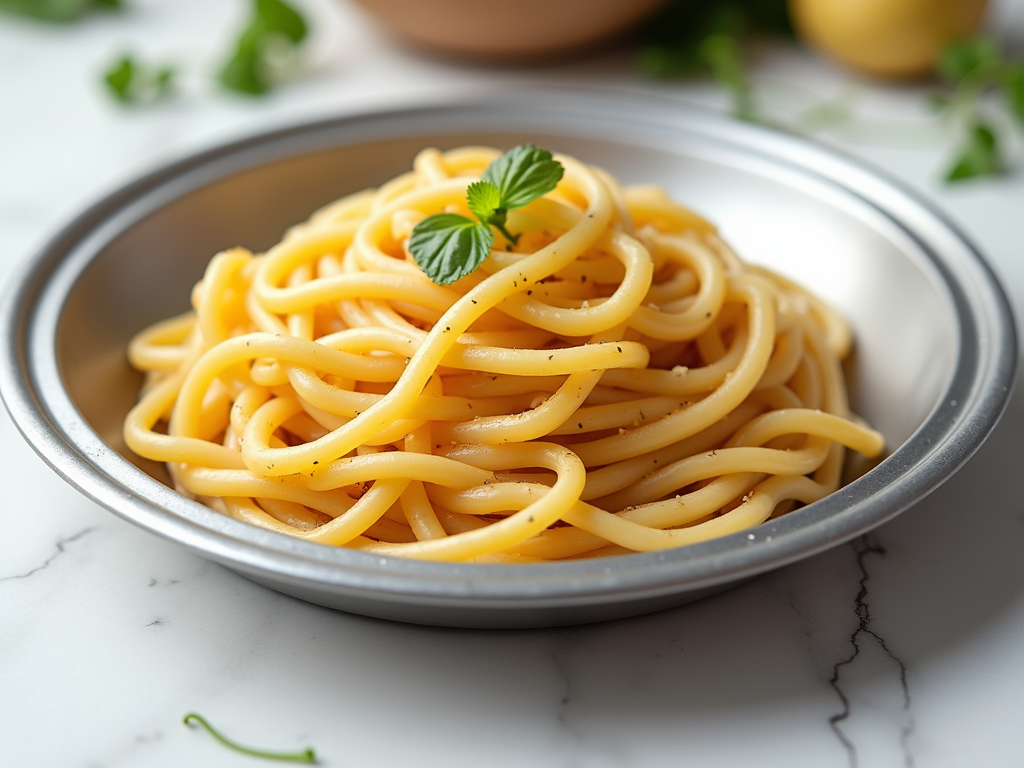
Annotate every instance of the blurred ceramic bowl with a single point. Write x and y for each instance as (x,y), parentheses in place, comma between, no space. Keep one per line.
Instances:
(498,30)
(934,363)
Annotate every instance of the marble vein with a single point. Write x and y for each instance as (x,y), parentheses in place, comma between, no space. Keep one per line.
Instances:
(562,639)
(865,547)
(61,547)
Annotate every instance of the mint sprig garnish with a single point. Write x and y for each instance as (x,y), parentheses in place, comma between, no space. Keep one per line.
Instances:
(971,68)
(448,246)
(265,48)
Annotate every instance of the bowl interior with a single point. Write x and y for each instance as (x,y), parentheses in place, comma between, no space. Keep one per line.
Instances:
(816,233)
(933,361)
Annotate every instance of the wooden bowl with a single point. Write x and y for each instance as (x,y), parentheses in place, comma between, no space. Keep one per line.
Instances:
(504,31)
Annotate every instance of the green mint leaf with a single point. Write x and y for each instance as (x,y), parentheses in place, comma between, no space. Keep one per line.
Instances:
(56,10)
(243,72)
(722,53)
(447,246)
(961,58)
(978,157)
(275,28)
(484,201)
(119,77)
(132,82)
(523,174)
(306,755)
(279,17)
(1013,90)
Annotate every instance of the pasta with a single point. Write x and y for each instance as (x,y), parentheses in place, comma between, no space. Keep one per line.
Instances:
(616,381)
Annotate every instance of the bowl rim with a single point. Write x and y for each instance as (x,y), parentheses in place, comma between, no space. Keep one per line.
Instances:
(968,410)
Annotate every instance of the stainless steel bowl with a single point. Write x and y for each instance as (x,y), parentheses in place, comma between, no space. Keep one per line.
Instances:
(935,358)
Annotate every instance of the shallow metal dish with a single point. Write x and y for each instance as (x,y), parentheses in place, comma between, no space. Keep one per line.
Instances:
(935,360)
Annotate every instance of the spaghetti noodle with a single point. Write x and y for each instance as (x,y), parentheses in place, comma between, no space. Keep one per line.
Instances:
(615,381)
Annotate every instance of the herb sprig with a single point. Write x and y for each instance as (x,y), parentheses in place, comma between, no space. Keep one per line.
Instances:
(448,246)
(265,48)
(263,55)
(57,10)
(692,37)
(972,68)
(132,82)
(306,755)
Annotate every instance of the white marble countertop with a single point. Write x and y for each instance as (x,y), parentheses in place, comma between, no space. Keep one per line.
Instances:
(905,648)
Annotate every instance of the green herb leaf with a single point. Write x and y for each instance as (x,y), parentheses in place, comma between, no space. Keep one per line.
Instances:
(56,10)
(244,71)
(1013,90)
(523,174)
(276,16)
(979,155)
(132,82)
(484,201)
(306,755)
(723,55)
(269,39)
(960,59)
(448,246)
(119,77)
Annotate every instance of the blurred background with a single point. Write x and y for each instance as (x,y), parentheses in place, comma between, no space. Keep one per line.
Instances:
(95,91)
(940,76)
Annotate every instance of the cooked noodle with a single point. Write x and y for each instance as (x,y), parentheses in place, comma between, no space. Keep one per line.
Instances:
(617,381)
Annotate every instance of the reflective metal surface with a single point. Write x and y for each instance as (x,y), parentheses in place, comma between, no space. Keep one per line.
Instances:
(934,363)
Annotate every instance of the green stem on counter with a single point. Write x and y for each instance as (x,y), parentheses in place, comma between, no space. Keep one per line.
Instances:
(303,756)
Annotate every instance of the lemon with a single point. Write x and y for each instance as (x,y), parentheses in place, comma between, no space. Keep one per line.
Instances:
(886,38)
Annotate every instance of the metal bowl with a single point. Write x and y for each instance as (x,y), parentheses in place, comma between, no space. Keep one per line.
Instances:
(933,367)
